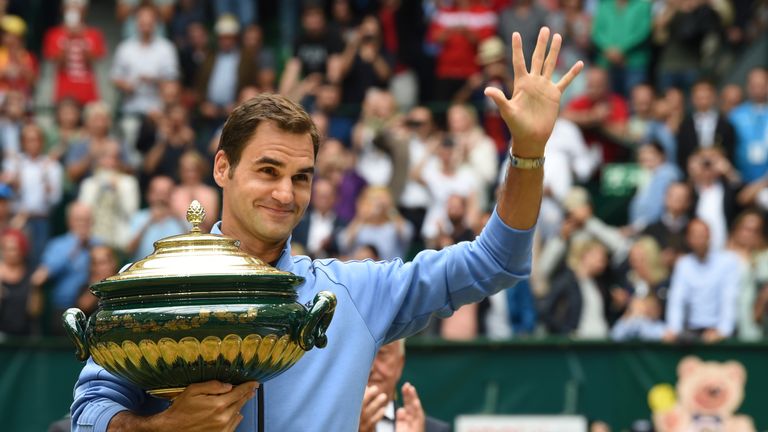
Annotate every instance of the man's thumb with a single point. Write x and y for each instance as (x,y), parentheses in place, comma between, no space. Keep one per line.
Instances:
(497,95)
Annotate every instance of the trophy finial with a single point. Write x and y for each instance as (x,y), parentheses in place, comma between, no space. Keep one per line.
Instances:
(195,215)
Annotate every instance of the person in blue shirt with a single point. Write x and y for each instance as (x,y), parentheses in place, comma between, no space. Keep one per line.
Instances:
(264,166)
(750,120)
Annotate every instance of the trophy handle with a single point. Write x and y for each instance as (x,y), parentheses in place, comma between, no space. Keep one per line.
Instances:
(74,324)
(312,331)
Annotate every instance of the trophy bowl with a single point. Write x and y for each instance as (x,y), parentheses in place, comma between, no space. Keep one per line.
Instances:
(198,309)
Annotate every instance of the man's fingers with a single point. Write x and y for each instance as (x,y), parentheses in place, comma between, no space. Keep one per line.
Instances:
(208,388)
(411,399)
(496,95)
(518,61)
(537,60)
(554,50)
(565,81)
(370,393)
(232,426)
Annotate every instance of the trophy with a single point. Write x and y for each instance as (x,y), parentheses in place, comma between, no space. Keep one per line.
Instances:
(198,309)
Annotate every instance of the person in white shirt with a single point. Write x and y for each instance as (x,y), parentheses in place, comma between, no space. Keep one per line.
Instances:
(37,180)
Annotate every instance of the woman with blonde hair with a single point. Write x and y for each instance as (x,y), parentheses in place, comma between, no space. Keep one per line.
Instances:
(378,223)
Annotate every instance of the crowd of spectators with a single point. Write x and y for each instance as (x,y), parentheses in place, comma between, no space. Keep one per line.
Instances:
(652,225)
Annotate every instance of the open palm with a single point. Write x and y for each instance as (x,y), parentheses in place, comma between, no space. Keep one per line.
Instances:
(531,112)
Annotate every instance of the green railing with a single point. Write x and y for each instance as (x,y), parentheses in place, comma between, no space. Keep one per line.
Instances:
(599,380)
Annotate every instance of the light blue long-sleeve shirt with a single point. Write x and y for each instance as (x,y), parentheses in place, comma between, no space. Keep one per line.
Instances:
(647,205)
(750,121)
(703,294)
(378,302)
(68,262)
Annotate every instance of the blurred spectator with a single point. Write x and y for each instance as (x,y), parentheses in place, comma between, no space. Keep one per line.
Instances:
(382,410)
(474,150)
(246,11)
(601,114)
(193,53)
(377,223)
(705,126)
(66,130)
(155,222)
(364,252)
(103,265)
(750,119)
(755,194)
(245,94)
(186,14)
(320,225)
(731,96)
(128,12)
(444,177)
(456,31)
(747,240)
(65,263)
(364,63)
(193,169)
(18,67)
(643,125)
(669,230)
(336,163)
(19,306)
(715,184)
(703,295)
(420,137)
(224,72)
(525,17)
(575,25)
(311,53)
(455,228)
(262,56)
(656,176)
(14,114)
(139,65)
(74,47)
(113,196)
(647,274)
(621,33)
(327,102)
(174,138)
(683,29)
(170,96)
(37,181)
(576,304)
(494,74)
(642,321)
(81,156)
(508,313)
(343,20)
(580,224)
(6,211)
(373,151)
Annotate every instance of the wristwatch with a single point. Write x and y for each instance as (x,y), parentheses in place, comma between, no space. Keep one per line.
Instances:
(525,163)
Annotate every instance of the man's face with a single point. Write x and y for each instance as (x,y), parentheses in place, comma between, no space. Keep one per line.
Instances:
(703,97)
(145,22)
(697,238)
(649,157)
(80,220)
(160,190)
(324,197)
(597,84)
(757,86)
(642,100)
(269,189)
(678,199)
(387,368)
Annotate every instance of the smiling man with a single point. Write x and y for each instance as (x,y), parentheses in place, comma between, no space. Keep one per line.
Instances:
(264,166)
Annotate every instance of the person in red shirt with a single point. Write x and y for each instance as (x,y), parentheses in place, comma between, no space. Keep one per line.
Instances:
(458,30)
(74,47)
(602,116)
(18,67)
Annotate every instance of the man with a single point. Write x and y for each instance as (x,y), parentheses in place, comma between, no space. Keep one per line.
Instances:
(380,412)
(704,290)
(669,230)
(646,207)
(750,119)
(155,222)
(320,226)
(66,261)
(705,126)
(264,166)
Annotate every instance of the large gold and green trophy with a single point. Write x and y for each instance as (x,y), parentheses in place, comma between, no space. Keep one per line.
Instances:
(198,309)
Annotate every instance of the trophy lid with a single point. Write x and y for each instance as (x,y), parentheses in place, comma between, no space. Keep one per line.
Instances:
(198,257)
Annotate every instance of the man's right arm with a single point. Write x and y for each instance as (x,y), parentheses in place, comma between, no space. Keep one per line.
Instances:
(104,402)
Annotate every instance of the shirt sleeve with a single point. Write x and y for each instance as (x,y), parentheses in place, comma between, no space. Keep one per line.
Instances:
(398,299)
(99,396)
(729,298)
(675,303)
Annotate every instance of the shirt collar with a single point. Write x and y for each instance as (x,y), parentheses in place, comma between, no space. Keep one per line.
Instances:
(285,262)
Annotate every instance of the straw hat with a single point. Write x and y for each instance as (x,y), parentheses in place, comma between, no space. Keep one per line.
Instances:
(490,51)
(13,25)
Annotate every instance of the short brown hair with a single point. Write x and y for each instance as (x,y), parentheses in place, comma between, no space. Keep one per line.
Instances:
(242,123)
